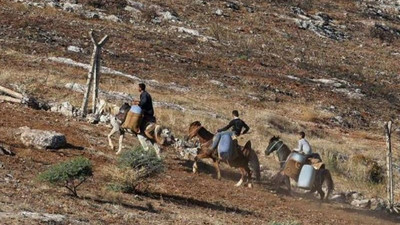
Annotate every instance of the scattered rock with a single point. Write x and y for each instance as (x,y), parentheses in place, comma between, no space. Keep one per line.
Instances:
(112,18)
(218,12)
(74,49)
(218,83)
(42,139)
(341,198)
(136,5)
(66,109)
(70,7)
(378,204)
(366,203)
(5,151)
(187,31)
(34,216)
(93,118)
(233,5)
(106,70)
(321,24)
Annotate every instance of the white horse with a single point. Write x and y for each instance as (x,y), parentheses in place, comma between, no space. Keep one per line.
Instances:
(155,135)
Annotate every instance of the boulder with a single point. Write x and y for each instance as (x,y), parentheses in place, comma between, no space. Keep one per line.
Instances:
(74,49)
(42,139)
(66,109)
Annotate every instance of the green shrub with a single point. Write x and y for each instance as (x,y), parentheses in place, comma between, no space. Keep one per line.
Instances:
(70,174)
(135,167)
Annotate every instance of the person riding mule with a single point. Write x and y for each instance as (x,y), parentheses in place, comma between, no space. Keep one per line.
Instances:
(146,104)
(322,176)
(141,122)
(226,141)
(246,159)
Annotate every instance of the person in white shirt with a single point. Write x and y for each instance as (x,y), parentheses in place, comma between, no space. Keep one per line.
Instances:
(304,146)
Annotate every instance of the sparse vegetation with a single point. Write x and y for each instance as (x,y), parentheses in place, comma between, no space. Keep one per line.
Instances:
(70,174)
(284,223)
(135,167)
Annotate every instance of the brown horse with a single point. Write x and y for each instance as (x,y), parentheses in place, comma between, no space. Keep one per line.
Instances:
(246,155)
(323,175)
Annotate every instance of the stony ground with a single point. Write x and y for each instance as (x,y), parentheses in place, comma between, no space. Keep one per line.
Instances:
(330,68)
(176,197)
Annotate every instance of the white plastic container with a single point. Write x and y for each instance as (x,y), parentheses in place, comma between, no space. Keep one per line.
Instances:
(298,157)
(136,109)
(306,177)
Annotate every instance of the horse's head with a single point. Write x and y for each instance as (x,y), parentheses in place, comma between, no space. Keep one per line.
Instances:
(125,107)
(193,129)
(272,146)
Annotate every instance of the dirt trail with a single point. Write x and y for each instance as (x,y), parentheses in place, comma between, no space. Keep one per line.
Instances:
(177,197)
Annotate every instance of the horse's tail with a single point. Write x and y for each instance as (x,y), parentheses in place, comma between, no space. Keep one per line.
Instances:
(251,155)
(329,181)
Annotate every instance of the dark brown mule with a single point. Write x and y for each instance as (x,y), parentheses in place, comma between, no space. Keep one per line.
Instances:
(246,154)
(323,175)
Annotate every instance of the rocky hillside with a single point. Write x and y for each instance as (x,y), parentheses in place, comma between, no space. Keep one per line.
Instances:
(327,67)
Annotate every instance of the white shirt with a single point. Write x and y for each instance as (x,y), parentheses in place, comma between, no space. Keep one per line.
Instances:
(304,147)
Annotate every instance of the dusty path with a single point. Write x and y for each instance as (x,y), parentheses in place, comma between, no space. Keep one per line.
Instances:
(177,197)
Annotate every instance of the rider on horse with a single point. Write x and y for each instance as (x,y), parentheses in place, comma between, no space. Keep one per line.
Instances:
(237,125)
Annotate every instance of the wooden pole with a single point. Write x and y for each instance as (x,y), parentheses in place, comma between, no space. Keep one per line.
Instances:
(390,184)
(93,75)
(96,76)
(10,99)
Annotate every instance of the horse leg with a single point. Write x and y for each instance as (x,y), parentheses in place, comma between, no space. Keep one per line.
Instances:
(157,149)
(321,193)
(242,172)
(142,141)
(121,138)
(216,165)
(199,156)
(287,183)
(113,131)
(249,180)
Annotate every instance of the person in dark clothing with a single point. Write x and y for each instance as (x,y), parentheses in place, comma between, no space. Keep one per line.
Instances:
(237,125)
(146,104)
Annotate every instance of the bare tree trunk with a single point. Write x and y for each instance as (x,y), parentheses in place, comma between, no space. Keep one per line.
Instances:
(390,184)
(11,92)
(93,75)
(10,99)
(89,82)
(96,79)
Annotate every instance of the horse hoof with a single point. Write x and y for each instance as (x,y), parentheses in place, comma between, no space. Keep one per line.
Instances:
(119,152)
(250,185)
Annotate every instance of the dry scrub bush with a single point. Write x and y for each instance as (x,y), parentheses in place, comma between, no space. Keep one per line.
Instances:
(384,33)
(70,174)
(358,168)
(283,124)
(135,167)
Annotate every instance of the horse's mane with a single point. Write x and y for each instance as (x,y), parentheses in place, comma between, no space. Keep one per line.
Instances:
(202,132)
(274,138)
(196,123)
